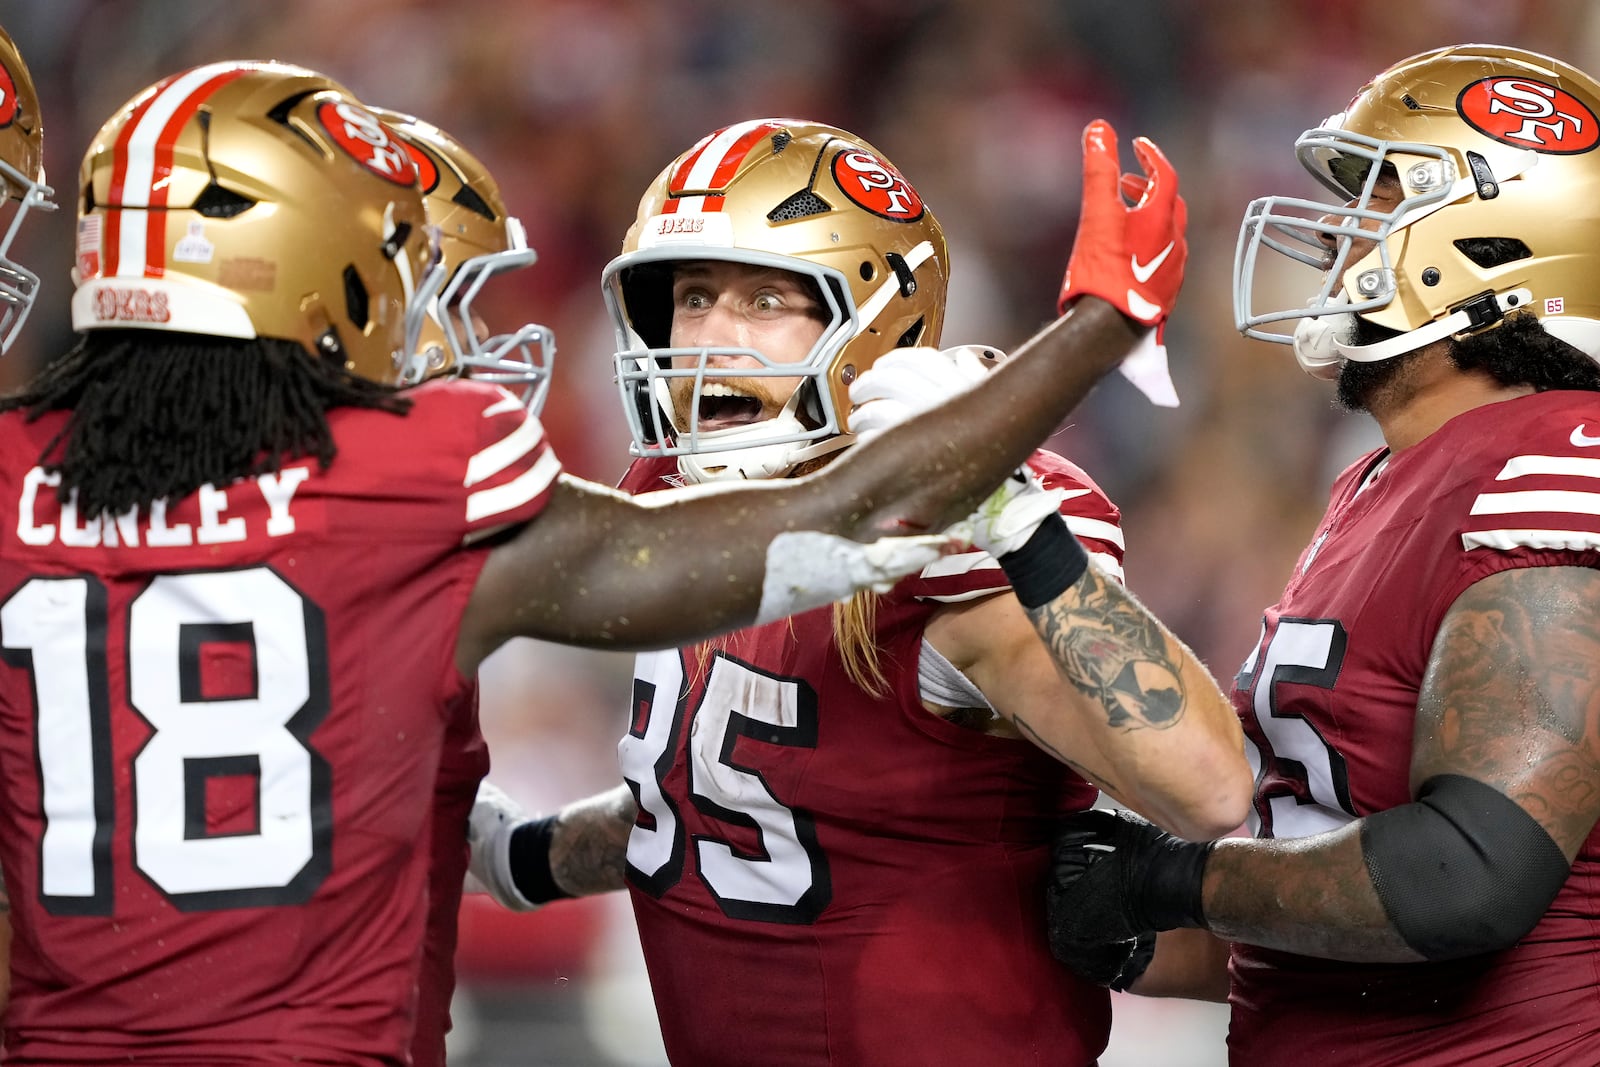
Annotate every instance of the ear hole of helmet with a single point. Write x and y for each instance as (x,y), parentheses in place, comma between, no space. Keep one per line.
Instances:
(215,202)
(1489,252)
(355,297)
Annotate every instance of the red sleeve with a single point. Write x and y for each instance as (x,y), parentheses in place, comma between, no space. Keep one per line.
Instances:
(512,469)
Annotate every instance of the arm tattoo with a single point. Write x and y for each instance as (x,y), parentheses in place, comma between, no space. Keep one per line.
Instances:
(1098,780)
(1512,694)
(1111,648)
(589,849)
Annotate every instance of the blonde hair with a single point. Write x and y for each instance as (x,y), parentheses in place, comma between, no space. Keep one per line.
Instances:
(854,631)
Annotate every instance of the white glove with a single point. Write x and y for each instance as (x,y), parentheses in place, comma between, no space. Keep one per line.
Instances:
(494,816)
(806,569)
(1004,522)
(909,381)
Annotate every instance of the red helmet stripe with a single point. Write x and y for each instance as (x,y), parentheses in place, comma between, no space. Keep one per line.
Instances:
(681,174)
(136,244)
(712,163)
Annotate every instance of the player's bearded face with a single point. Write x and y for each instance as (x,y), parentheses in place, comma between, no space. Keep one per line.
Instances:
(718,304)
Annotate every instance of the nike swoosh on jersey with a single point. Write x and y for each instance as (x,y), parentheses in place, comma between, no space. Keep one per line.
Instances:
(1143,271)
(1583,440)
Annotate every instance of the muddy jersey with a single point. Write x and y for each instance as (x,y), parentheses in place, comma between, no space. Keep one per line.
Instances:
(220,729)
(822,876)
(1328,700)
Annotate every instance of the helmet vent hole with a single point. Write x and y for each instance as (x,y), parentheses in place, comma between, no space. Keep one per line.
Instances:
(911,336)
(1410,102)
(474,203)
(215,202)
(355,297)
(780,141)
(799,206)
(1486,252)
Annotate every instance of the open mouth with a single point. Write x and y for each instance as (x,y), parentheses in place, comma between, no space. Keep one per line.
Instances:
(722,407)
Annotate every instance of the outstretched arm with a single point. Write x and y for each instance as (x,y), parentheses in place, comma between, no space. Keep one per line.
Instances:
(599,569)
(524,862)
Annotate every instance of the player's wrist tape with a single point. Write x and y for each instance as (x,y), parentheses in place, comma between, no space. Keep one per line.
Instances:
(1168,895)
(530,861)
(1047,565)
(1463,869)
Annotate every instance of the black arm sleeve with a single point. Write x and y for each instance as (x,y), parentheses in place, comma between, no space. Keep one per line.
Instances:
(1463,870)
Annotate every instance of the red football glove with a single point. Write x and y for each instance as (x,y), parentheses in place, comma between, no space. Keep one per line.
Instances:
(1132,257)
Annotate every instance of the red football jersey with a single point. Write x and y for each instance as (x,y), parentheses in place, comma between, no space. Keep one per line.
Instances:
(825,877)
(220,728)
(1328,700)
(462,765)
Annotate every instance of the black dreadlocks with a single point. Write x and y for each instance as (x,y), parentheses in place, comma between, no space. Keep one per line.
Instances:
(157,416)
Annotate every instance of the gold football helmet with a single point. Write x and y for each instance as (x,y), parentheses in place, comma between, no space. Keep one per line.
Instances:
(22,175)
(1494,153)
(478,240)
(797,196)
(255,200)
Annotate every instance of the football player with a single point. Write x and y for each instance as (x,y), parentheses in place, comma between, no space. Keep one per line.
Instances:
(835,826)
(22,176)
(248,583)
(479,241)
(1421,706)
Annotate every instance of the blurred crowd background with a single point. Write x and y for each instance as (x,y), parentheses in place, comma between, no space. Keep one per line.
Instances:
(575,105)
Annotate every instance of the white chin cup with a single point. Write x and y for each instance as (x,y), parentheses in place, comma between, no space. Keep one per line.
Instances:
(771,460)
(1316,344)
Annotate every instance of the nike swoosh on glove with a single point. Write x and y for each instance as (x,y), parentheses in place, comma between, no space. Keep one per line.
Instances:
(908,381)
(1130,255)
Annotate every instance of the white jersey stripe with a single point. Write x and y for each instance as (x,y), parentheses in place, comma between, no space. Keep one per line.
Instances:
(1522,466)
(1537,500)
(136,186)
(523,488)
(504,452)
(981,561)
(1109,564)
(1098,529)
(1505,540)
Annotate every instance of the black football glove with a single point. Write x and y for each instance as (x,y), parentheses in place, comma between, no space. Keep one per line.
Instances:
(1115,881)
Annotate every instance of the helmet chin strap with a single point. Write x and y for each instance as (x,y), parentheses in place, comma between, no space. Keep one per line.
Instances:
(1318,347)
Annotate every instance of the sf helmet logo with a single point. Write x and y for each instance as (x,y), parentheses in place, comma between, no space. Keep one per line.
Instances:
(1529,114)
(876,186)
(8,97)
(369,141)
(427,170)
